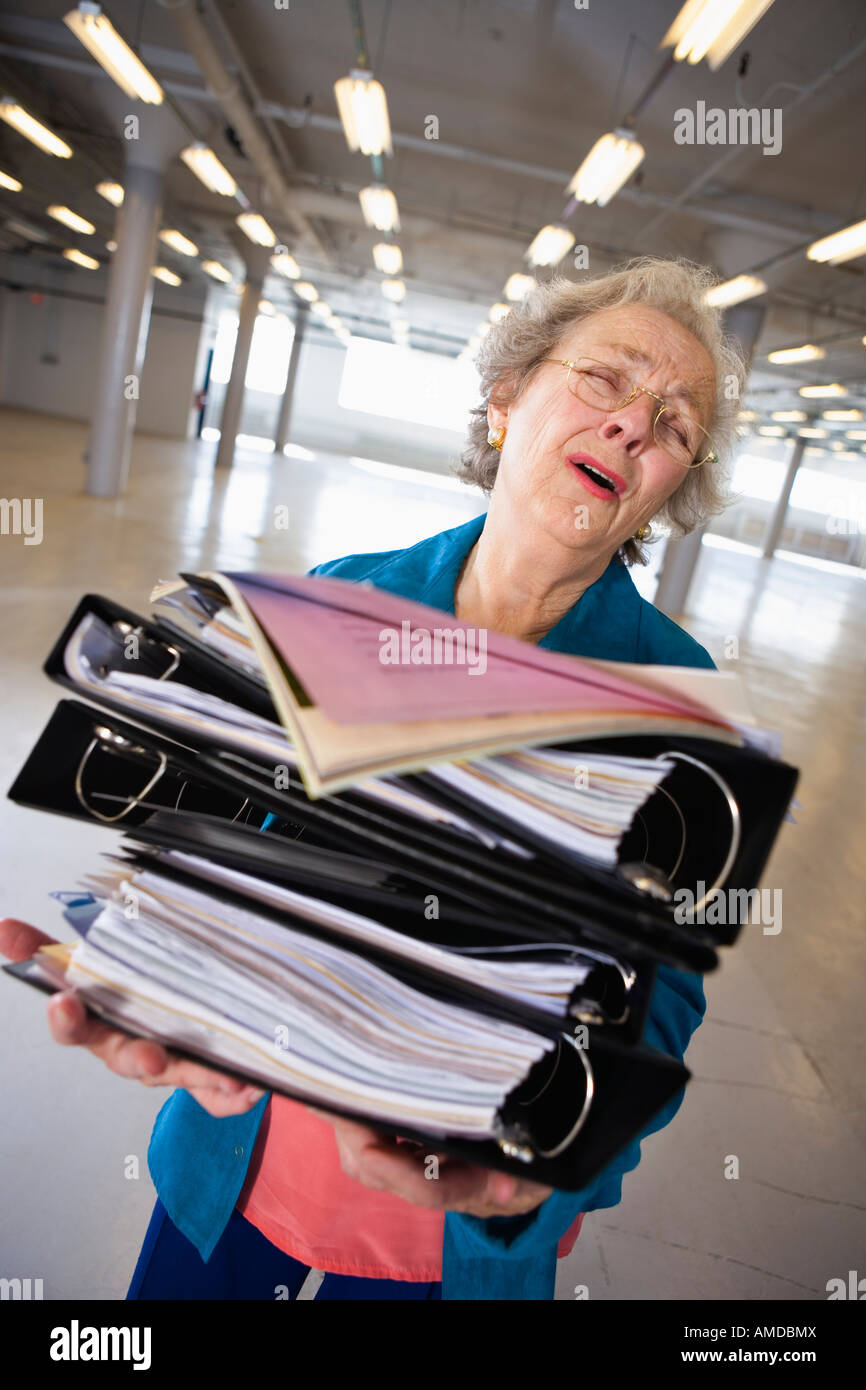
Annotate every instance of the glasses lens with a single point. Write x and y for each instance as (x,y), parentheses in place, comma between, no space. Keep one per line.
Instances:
(598,384)
(682,438)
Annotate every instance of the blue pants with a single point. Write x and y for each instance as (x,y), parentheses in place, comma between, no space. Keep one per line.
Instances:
(244,1265)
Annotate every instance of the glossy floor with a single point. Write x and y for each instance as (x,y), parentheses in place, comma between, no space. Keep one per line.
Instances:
(778,1081)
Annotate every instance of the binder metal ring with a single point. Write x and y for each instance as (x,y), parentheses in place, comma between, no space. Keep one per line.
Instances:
(246,803)
(736,823)
(106,738)
(127,630)
(513,1148)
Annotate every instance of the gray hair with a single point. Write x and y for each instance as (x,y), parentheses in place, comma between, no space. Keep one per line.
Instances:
(512,352)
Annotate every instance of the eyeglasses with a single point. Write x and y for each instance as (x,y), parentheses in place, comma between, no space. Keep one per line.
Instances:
(608,388)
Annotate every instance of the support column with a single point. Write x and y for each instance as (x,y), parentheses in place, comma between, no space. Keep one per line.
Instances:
(678,567)
(777,520)
(744,323)
(124,333)
(285,417)
(257,260)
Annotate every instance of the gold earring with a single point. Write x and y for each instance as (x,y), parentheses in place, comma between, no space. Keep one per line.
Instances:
(496,437)
(643,533)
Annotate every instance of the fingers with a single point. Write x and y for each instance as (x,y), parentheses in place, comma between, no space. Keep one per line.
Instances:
(144,1060)
(221,1104)
(70,1023)
(19,941)
(381,1164)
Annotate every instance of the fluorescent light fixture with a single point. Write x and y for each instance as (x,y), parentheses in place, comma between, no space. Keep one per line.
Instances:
(712,29)
(839,246)
(307,291)
(517,286)
(178,242)
(747,415)
(103,42)
(837,444)
(388,258)
(111,192)
(363,110)
(792,415)
(33,130)
(499,312)
(217,271)
(71,219)
(207,168)
(842,414)
(394,290)
(550,245)
(267,308)
(611,161)
(168,277)
(735,291)
(832,389)
(812,434)
(79,258)
(379,207)
(7,181)
(111,246)
(253,225)
(855,434)
(807,353)
(321,309)
(772,431)
(284,264)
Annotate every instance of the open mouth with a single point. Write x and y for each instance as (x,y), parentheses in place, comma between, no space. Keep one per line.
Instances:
(596,476)
(599,478)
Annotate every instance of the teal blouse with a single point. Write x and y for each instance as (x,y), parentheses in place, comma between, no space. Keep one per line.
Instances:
(198,1163)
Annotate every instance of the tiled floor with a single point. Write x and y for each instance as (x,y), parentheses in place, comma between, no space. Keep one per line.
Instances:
(777,1072)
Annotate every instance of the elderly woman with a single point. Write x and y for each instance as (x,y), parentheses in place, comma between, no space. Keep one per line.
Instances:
(607,406)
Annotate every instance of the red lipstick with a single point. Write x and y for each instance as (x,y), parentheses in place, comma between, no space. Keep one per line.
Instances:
(598,479)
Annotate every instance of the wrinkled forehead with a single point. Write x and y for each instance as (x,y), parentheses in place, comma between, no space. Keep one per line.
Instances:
(652,348)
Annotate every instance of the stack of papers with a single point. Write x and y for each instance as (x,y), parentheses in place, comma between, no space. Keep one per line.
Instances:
(583,804)
(322,644)
(259,994)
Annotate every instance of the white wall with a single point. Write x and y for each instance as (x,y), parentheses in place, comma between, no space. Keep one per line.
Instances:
(69,331)
(174,365)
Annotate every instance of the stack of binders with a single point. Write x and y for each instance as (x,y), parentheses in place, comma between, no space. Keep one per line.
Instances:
(372,867)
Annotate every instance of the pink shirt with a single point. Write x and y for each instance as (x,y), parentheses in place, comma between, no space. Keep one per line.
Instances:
(298,1196)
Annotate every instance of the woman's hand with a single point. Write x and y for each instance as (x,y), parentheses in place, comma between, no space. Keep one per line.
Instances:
(377,1161)
(138,1059)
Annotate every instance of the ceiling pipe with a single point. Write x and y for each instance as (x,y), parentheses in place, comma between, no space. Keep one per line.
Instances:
(835,68)
(227,92)
(297,118)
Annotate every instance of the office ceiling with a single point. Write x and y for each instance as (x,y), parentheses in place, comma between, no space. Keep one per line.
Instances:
(521,90)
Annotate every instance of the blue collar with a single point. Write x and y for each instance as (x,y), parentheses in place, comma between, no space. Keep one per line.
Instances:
(604,623)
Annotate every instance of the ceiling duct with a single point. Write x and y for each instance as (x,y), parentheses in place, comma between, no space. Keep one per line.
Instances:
(227,92)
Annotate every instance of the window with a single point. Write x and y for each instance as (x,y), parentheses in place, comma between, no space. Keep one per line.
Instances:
(268,365)
(405,384)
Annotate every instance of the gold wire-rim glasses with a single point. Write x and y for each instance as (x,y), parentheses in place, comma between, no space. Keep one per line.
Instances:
(576,373)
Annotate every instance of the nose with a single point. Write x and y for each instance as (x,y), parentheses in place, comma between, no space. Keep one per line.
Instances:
(632,425)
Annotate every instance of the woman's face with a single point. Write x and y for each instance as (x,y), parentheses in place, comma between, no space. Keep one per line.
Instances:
(550,433)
